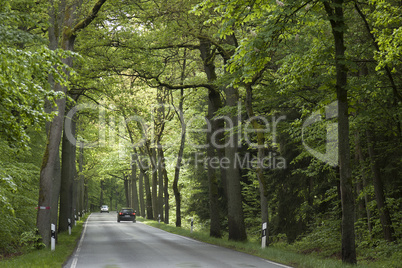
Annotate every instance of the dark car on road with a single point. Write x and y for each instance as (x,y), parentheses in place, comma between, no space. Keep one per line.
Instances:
(126,214)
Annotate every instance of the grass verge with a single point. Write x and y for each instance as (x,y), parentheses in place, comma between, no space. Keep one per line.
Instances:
(279,253)
(45,257)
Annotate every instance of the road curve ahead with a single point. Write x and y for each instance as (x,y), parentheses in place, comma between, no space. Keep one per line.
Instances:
(107,243)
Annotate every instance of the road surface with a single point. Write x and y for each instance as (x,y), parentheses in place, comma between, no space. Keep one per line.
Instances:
(107,243)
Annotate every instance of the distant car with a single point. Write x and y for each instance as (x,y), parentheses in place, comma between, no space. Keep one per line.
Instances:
(126,214)
(104,208)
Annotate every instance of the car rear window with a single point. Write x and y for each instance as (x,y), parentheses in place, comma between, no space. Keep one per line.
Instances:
(127,210)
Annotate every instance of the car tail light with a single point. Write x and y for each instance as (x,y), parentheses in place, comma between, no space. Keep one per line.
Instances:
(134,214)
(121,213)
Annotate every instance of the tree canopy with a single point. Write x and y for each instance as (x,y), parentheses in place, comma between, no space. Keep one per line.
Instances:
(234,113)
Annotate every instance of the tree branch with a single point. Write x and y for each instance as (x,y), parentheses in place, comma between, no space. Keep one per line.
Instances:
(85,22)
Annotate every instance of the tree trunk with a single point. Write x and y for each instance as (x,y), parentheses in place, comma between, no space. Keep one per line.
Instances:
(166,194)
(383,211)
(86,197)
(260,156)
(80,182)
(214,103)
(126,190)
(336,19)
(237,228)
(148,196)
(68,171)
(134,192)
(47,183)
(161,163)
(141,192)
(102,186)
(154,192)
(176,190)
(130,189)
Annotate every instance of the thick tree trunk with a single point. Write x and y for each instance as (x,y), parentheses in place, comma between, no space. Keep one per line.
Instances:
(214,103)
(383,211)
(237,228)
(47,175)
(49,184)
(68,171)
(336,17)
(48,187)
(54,213)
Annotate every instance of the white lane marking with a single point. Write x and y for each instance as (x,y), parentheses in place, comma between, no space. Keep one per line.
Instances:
(277,264)
(77,252)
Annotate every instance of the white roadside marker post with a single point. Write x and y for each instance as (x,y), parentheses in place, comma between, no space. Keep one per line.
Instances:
(264,235)
(53,237)
(69,226)
(192,225)
(159,218)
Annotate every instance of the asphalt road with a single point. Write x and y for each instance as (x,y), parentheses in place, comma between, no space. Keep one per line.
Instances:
(107,243)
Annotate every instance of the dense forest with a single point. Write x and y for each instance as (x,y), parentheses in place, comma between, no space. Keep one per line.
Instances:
(233,113)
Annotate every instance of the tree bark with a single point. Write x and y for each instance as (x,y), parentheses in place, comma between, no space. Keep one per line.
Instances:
(80,182)
(336,18)
(126,190)
(47,183)
(102,186)
(154,171)
(166,195)
(214,103)
(134,192)
(141,192)
(148,196)
(68,171)
(260,155)
(176,190)
(237,228)
(161,163)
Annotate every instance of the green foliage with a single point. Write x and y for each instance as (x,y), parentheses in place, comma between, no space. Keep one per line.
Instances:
(31,240)
(25,66)
(45,257)
(386,27)
(19,172)
(284,49)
